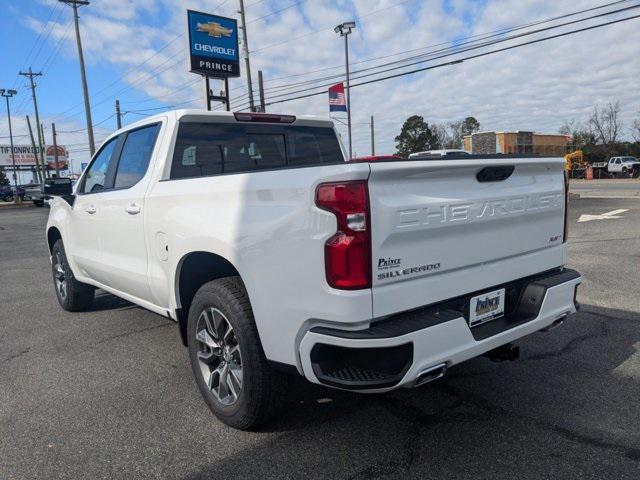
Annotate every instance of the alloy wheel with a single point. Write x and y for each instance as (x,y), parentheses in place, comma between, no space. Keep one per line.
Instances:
(219,356)
(60,276)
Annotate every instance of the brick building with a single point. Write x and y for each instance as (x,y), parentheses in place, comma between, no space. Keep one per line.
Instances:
(516,142)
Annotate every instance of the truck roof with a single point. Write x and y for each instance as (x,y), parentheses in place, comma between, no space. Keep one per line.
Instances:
(223,116)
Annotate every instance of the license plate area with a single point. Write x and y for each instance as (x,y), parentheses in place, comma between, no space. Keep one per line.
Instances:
(486,307)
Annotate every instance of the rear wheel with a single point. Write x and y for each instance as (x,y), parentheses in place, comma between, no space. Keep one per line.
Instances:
(625,172)
(73,296)
(227,359)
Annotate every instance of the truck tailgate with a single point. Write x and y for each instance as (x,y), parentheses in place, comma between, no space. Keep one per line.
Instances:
(442,229)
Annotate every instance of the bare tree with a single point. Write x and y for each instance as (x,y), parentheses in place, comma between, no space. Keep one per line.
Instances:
(606,123)
(635,130)
(443,138)
(581,135)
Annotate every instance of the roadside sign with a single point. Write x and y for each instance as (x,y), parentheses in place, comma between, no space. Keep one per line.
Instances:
(25,156)
(213,45)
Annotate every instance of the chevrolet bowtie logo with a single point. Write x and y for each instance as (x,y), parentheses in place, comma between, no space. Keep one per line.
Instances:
(214,29)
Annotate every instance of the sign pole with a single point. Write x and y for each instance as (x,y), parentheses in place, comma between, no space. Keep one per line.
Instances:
(263,107)
(226,94)
(207,93)
(55,148)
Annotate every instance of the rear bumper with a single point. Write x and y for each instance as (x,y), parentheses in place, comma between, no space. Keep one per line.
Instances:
(401,350)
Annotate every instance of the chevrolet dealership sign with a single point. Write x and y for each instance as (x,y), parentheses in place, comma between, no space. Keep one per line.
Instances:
(213,45)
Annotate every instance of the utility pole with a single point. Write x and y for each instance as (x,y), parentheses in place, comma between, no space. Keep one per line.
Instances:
(373,138)
(55,148)
(85,88)
(7,94)
(35,151)
(344,30)
(45,169)
(118,115)
(245,47)
(31,74)
(263,107)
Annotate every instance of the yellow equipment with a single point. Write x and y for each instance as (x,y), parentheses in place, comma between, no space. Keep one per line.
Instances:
(574,161)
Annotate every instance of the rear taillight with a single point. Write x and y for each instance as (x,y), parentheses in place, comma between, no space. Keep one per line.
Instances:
(565,235)
(347,254)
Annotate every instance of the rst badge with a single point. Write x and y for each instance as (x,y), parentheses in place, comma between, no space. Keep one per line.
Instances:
(486,307)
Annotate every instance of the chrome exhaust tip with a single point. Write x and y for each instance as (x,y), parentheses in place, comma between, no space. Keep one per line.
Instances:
(431,374)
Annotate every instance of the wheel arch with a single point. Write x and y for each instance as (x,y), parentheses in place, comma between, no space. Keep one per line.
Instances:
(194,270)
(53,235)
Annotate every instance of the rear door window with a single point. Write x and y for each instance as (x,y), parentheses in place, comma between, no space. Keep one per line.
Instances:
(204,149)
(135,156)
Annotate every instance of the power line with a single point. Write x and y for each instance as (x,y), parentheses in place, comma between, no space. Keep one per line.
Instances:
(454,51)
(323,29)
(458,44)
(275,12)
(456,48)
(511,47)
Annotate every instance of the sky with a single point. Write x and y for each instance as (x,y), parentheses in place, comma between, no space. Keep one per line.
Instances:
(136,51)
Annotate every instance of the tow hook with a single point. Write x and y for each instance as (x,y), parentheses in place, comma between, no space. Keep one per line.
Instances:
(508,352)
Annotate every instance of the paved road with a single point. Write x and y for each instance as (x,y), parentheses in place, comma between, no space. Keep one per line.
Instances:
(614,187)
(108,393)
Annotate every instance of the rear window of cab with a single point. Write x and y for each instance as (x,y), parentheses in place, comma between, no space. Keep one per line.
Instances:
(206,149)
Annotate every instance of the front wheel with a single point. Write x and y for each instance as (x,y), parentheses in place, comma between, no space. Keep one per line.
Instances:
(226,356)
(72,295)
(625,172)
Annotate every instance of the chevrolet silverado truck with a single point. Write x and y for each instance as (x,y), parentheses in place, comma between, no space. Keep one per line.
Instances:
(275,255)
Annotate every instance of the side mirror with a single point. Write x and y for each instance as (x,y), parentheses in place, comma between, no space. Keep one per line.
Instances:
(59,187)
(70,198)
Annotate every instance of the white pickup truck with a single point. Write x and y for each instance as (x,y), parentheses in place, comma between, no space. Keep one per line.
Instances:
(623,165)
(275,255)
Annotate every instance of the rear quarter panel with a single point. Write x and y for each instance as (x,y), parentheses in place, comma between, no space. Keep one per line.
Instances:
(266,224)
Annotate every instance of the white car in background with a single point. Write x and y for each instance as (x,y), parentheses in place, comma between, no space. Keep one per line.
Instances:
(623,165)
(438,154)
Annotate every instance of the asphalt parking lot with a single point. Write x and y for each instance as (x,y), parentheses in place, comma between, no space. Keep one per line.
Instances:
(109,393)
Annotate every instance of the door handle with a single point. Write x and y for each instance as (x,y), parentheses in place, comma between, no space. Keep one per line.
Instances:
(91,209)
(132,209)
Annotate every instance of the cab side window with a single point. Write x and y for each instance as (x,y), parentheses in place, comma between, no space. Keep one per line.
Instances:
(96,177)
(135,156)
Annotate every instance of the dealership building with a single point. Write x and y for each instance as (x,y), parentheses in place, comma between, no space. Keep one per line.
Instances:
(516,143)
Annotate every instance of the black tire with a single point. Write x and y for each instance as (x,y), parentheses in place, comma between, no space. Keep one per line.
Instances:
(75,296)
(38,203)
(625,172)
(256,402)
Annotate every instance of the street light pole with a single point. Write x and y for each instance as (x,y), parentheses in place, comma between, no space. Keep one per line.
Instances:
(344,30)
(7,94)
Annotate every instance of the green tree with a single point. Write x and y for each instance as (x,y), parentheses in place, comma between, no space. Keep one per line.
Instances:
(470,125)
(415,136)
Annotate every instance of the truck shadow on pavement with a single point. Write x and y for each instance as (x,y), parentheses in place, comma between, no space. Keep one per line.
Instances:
(572,395)
(106,301)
